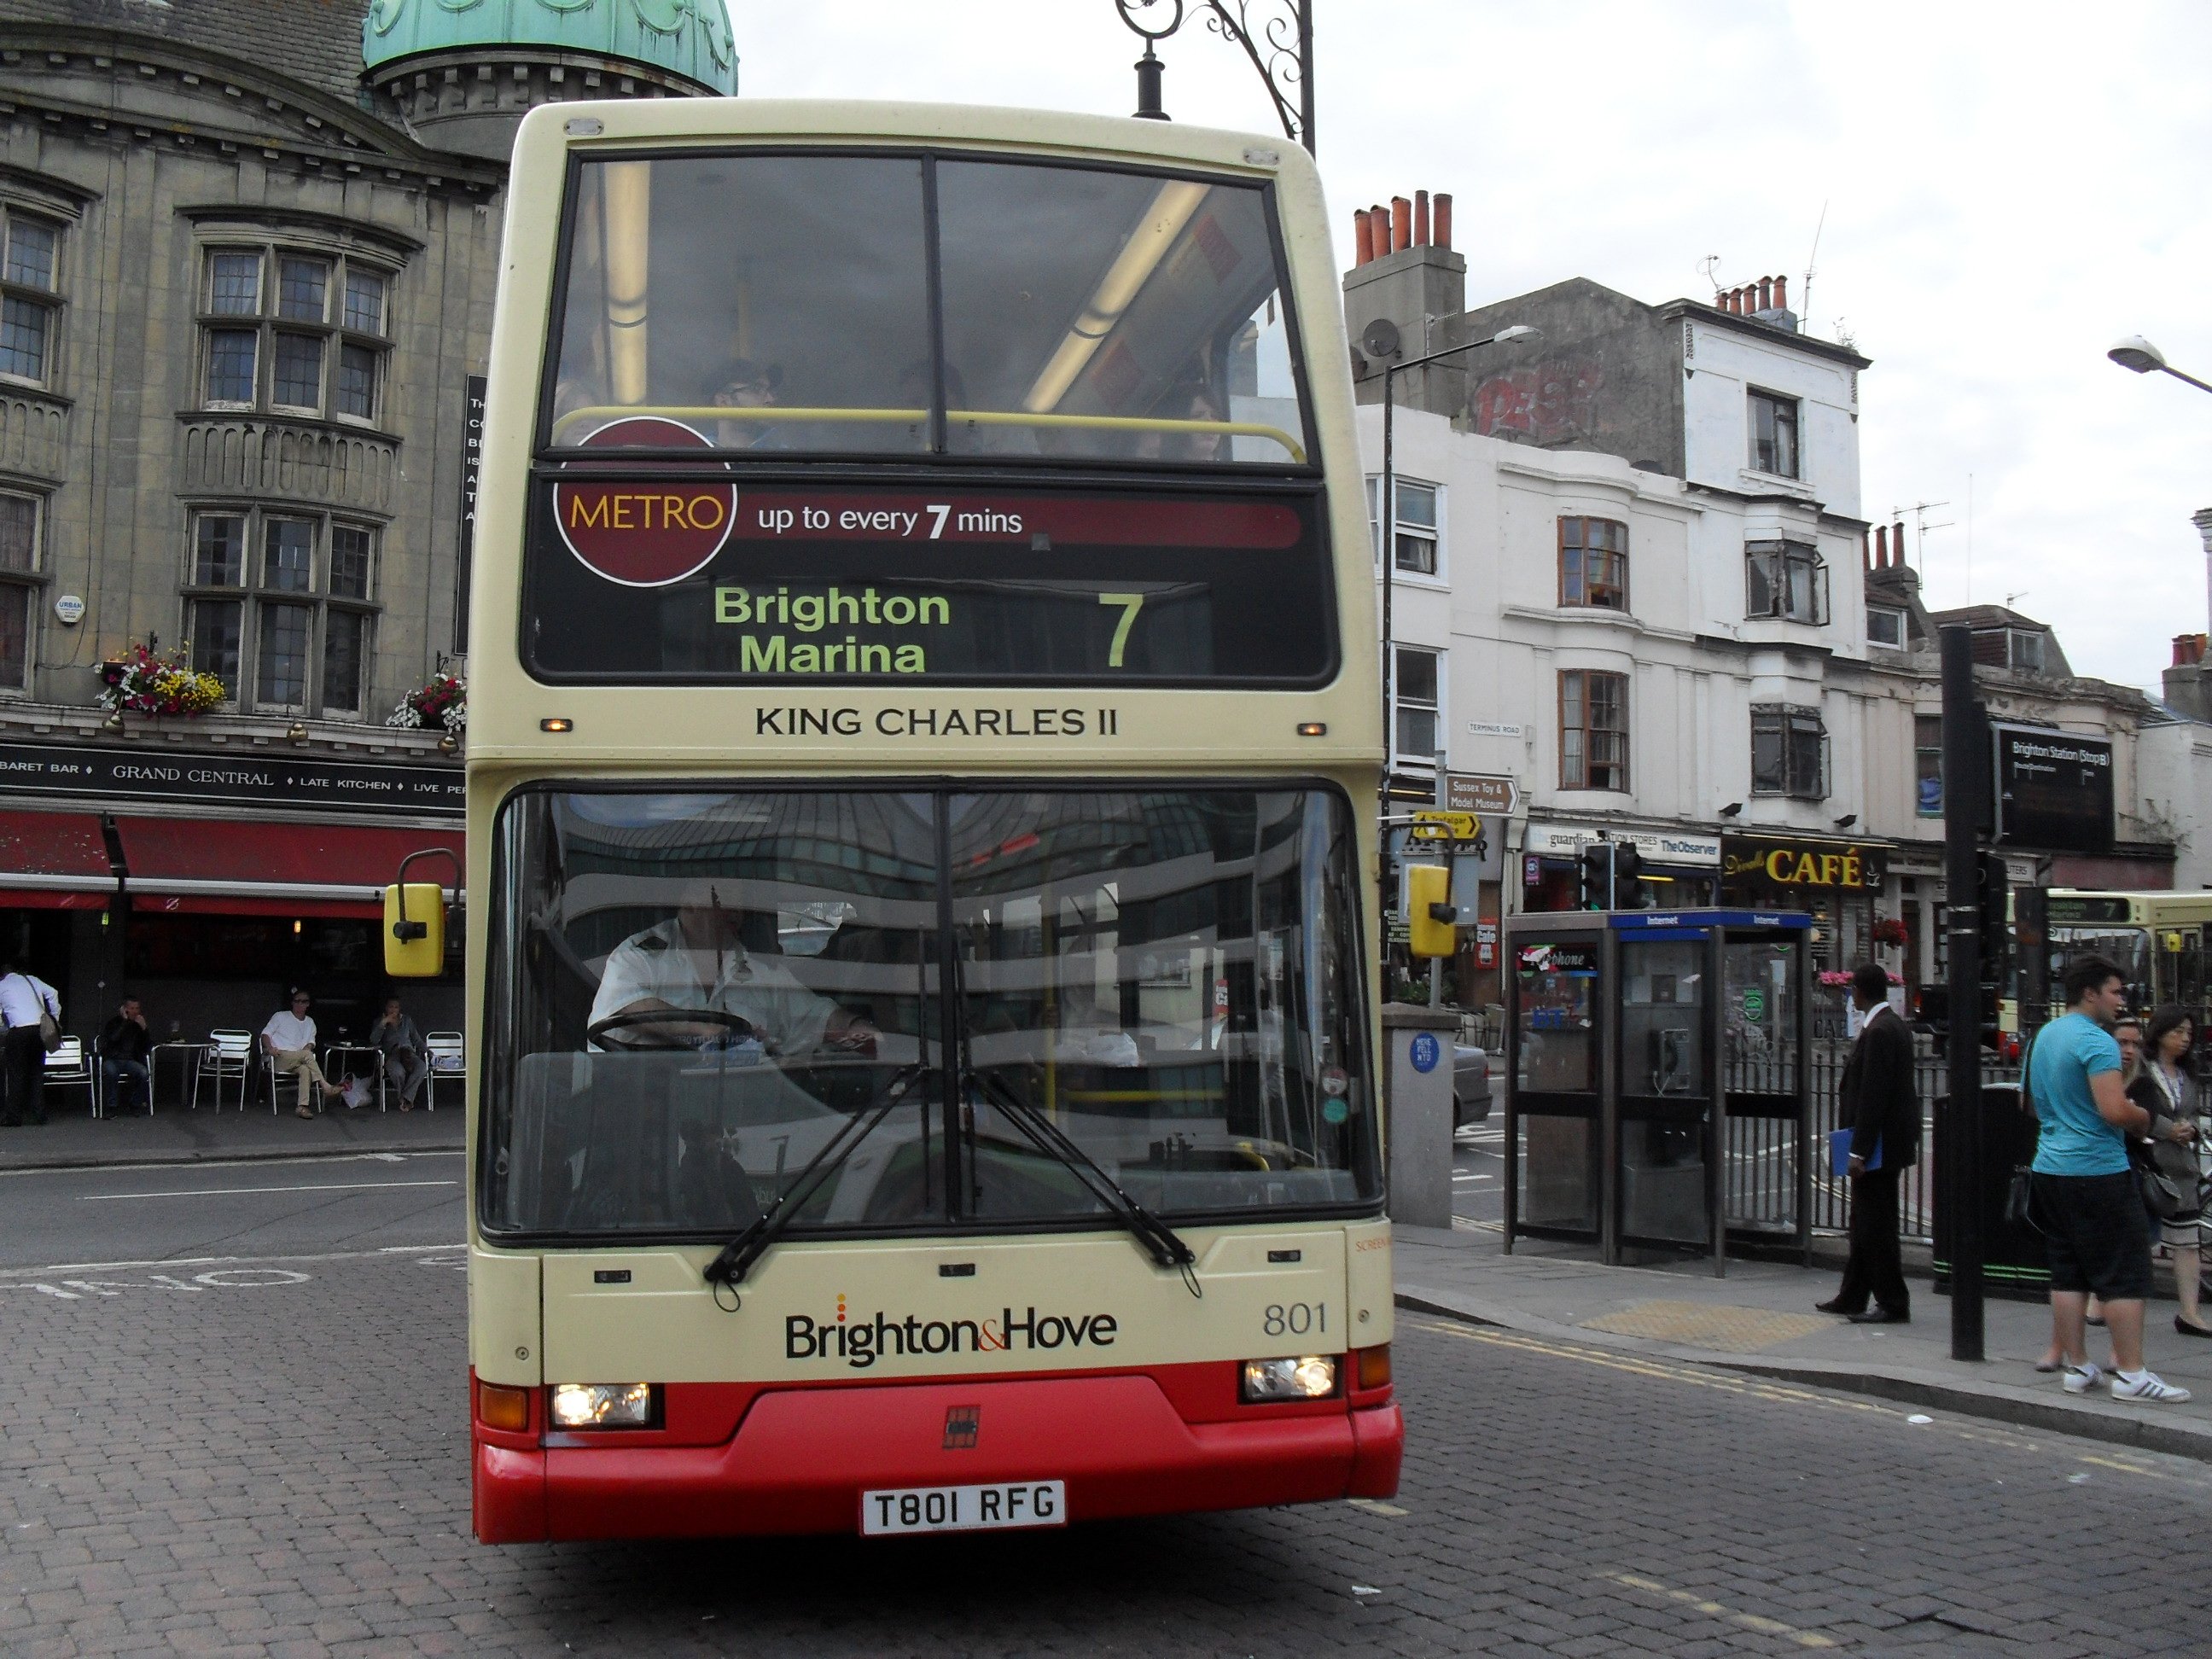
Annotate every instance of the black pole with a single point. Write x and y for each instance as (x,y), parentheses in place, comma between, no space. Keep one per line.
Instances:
(1387,523)
(1966,782)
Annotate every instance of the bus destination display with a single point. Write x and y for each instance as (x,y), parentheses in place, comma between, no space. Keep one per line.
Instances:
(705,580)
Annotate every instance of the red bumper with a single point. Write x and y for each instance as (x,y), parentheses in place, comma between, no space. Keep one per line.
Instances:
(801,1458)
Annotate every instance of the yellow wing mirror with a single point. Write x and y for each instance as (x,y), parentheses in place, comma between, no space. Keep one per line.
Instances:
(415,921)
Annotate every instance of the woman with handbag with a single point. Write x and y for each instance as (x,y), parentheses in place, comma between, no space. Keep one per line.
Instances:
(32,1013)
(2175,1178)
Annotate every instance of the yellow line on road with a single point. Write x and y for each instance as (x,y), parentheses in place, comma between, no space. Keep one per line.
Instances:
(2115,1463)
(1636,1365)
(1803,1638)
(1376,1506)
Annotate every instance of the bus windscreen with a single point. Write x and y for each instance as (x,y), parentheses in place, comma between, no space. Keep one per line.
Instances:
(910,305)
(704,987)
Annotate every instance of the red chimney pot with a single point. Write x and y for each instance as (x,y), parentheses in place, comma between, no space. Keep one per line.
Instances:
(1443,219)
(1420,218)
(1401,224)
(1363,238)
(1782,293)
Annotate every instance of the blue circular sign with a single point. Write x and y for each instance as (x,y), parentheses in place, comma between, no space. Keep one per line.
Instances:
(1426,1051)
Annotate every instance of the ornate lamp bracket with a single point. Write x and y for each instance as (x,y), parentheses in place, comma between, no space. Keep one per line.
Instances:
(1278,45)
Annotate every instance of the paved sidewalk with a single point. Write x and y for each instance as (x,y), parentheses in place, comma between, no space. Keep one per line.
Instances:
(72,1138)
(1759,1319)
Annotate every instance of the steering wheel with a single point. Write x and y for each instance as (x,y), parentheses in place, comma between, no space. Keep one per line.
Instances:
(615,1024)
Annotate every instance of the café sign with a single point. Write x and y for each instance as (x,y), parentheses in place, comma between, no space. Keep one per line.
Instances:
(1779,862)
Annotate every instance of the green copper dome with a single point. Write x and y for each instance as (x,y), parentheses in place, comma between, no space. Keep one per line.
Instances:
(688,38)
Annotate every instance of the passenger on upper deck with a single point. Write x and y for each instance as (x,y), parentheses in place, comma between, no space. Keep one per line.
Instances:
(750,385)
(696,963)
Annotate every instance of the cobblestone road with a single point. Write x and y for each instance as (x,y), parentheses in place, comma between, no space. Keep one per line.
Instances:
(271,1459)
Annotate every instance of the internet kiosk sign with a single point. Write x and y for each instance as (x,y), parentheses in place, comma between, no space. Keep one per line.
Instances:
(645,535)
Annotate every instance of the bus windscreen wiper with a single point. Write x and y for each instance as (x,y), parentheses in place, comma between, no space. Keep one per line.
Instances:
(1159,1240)
(738,1256)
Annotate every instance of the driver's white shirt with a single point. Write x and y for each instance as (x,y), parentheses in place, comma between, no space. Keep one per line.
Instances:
(655,964)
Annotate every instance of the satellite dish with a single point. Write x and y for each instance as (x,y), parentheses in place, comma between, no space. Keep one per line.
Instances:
(1381,338)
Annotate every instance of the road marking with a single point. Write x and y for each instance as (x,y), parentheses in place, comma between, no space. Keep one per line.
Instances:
(1639,1365)
(235,1163)
(53,1267)
(232,1192)
(2084,1457)
(1803,1638)
(1376,1506)
(222,1279)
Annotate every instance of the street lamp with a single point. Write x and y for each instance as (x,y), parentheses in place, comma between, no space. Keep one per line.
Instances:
(2139,354)
(1383,338)
(1281,49)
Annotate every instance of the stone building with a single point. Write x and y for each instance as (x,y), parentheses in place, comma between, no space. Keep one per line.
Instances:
(247,255)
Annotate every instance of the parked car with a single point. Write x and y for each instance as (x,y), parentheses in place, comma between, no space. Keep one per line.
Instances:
(1470,1086)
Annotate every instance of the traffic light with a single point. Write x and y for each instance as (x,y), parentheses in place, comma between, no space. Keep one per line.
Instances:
(1594,876)
(1627,870)
(1990,893)
(1430,917)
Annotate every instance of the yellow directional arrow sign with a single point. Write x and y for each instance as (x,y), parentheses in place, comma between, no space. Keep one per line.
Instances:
(1445,826)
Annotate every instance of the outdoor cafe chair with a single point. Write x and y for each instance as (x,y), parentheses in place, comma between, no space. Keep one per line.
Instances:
(229,1055)
(447,1054)
(66,1069)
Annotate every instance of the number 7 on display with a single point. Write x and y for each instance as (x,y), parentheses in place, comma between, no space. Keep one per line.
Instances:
(1131,603)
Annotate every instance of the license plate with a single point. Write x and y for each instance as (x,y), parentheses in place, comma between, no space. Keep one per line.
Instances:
(965,1509)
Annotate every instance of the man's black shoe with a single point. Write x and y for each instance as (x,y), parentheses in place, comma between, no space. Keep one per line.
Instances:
(1835,1305)
(1882,1316)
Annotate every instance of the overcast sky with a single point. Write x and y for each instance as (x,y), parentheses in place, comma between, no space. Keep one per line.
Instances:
(2009,188)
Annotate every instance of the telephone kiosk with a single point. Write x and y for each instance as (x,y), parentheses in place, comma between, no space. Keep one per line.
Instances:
(1655,1091)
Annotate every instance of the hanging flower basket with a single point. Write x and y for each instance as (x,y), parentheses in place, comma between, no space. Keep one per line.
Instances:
(1890,930)
(441,704)
(145,682)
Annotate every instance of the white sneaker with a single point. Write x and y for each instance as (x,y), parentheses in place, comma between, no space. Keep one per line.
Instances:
(2148,1387)
(2079,1379)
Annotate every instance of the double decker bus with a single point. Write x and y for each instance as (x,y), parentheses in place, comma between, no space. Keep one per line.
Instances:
(923,739)
(2159,940)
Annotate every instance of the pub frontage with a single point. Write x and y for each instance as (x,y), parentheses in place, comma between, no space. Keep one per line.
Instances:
(205,884)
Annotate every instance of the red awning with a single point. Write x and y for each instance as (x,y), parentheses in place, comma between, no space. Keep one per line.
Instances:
(54,861)
(222,866)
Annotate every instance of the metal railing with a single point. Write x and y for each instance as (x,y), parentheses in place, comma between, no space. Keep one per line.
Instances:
(1760,1151)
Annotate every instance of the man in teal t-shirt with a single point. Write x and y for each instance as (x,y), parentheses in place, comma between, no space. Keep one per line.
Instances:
(2095,1230)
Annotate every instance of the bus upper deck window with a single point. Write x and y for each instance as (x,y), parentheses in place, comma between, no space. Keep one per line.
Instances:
(781,303)
(767,302)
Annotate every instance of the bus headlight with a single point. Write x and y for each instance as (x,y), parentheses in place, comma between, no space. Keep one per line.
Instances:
(1311,1378)
(603,1406)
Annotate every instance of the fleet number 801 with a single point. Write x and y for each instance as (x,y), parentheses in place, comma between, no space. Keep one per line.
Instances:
(1295,1318)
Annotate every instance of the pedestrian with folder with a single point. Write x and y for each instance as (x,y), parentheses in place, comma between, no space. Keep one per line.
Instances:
(1880,1139)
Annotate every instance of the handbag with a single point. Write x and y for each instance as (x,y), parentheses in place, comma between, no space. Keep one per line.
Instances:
(2019,1199)
(49,1033)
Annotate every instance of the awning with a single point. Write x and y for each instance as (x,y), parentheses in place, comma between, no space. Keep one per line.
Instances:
(226,867)
(54,861)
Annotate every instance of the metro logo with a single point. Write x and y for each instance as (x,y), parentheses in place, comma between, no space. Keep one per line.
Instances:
(645,535)
(860,1342)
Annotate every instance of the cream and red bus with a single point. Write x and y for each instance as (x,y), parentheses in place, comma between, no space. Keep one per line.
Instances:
(923,739)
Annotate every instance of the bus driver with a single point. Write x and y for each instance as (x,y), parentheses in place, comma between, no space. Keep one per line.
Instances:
(697,960)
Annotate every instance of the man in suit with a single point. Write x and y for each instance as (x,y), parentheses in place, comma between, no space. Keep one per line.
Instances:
(1882,1110)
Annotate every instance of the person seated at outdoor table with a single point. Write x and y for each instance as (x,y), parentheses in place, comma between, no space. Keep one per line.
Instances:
(400,1048)
(696,963)
(289,1038)
(124,1043)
